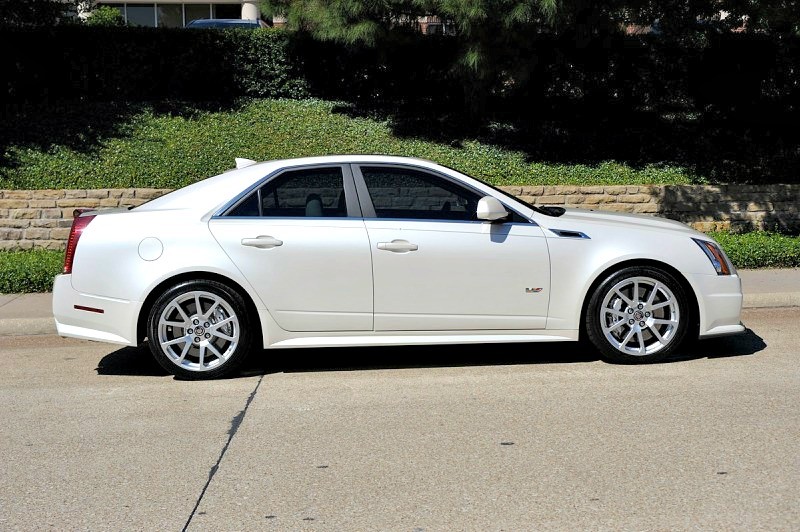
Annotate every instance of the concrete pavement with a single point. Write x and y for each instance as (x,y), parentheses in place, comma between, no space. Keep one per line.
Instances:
(492,437)
(31,314)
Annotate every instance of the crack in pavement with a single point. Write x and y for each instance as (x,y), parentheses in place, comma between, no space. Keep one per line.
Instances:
(235,423)
(14,297)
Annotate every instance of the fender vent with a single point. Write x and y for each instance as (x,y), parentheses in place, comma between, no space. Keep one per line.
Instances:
(566,233)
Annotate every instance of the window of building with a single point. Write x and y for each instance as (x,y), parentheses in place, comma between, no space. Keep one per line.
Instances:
(226,11)
(172,15)
(196,11)
(141,15)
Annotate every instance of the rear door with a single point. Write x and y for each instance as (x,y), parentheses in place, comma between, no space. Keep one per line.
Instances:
(300,241)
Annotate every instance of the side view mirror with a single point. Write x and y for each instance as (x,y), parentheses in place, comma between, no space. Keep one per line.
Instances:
(490,209)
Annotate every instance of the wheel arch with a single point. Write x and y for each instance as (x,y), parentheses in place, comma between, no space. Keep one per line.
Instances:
(694,308)
(144,312)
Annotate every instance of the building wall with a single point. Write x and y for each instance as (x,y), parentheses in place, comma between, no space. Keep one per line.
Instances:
(42,218)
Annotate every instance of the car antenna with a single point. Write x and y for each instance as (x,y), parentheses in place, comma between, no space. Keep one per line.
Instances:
(243,163)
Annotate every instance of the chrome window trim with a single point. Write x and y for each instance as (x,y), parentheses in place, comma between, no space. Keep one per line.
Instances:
(439,220)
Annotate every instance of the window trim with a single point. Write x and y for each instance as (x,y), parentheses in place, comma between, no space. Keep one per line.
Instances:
(368,209)
(350,196)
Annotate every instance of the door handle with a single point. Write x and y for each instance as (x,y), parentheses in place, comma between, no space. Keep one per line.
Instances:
(398,246)
(262,242)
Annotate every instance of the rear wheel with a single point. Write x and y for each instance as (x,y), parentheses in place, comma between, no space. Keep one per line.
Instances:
(638,315)
(199,330)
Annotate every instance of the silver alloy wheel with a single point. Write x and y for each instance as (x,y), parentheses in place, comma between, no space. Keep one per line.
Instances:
(198,331)
(639,316)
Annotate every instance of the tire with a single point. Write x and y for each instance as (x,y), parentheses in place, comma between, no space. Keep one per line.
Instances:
(221,332)
(638,315)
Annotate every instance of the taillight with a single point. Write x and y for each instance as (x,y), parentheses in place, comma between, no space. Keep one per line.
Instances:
(79,223)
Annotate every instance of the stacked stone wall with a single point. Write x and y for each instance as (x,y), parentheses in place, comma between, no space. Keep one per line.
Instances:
(42,218)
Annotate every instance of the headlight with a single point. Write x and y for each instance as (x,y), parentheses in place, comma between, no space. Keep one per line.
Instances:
(718,259)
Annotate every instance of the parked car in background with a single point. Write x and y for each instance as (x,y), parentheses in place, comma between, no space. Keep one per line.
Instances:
(365,250)
(226,23)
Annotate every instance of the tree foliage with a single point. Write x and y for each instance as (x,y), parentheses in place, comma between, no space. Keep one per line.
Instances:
(34,12)
(496,39)
(105,16)
(486,30)
(367,22)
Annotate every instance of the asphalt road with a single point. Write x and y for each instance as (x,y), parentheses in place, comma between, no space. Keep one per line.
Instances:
(462,438)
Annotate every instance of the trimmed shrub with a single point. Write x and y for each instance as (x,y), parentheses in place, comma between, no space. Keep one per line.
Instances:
(760,249)
(29,271)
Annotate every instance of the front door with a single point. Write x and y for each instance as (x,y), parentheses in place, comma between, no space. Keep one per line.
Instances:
(437,268)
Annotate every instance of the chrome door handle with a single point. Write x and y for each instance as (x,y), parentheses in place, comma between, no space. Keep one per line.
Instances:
(398,246)
(262,242)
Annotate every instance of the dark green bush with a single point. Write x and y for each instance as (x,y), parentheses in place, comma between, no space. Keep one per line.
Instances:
(29,271)
(98,63)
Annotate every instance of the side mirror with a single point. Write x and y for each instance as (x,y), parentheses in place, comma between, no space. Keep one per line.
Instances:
(490,209)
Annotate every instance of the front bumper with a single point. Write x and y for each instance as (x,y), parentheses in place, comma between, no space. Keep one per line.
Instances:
(719,299)
(115,324)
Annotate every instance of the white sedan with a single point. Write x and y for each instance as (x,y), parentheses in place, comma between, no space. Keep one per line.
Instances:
(376,250)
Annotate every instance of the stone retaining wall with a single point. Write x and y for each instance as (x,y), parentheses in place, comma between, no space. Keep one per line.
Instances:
(738,208)
(42,218)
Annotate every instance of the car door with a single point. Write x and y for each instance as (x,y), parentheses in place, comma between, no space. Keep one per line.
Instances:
(436,267)
(299,239)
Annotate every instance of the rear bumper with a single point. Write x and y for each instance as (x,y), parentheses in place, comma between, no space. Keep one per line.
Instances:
(79,315)
(720,304)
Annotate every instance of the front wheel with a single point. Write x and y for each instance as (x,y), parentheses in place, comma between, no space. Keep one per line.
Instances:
(638,315)
(199,330)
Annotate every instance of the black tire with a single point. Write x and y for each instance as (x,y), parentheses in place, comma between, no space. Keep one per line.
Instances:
(221,332)
(648,331)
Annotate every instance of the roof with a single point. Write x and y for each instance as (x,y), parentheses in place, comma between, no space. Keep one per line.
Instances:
(212,193)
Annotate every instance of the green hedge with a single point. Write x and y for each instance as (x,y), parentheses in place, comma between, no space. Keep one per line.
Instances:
(29,271)
(760,249)
(111,145)
(33,271)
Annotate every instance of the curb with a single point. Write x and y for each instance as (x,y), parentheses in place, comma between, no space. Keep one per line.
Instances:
(783,299)
(27,326)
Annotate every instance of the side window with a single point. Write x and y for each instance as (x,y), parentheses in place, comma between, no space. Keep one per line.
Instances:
(311,192)
(407,193)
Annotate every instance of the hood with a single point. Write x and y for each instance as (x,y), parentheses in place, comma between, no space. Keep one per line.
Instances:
(582,218)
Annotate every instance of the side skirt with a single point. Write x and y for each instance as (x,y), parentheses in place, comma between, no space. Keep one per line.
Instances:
(415,338)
